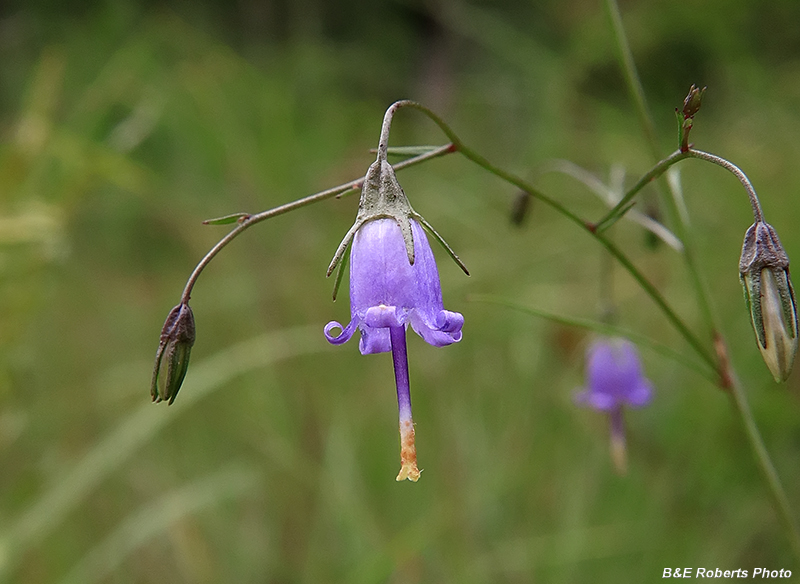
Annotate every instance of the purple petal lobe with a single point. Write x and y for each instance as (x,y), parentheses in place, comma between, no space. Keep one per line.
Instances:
(596,400)
(641,395)
(383,316)
(449,322)
(344,336)
(374,340)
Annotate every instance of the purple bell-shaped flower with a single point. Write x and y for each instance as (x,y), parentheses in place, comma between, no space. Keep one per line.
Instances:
(615,379)
(394,283)
(387,291)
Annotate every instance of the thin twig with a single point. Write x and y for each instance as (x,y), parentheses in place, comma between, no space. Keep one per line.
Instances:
(249,220)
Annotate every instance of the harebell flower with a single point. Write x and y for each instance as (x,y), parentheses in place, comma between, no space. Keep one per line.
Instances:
(394,283)
(615,379)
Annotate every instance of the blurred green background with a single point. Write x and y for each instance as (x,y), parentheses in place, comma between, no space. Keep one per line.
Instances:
(123,125)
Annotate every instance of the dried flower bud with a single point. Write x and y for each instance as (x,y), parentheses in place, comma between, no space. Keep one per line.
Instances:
(693,101)
(764,270)
(177,338)
(691,105)
(520,208)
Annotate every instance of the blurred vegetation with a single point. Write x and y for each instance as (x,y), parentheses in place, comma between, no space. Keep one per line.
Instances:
(124,125)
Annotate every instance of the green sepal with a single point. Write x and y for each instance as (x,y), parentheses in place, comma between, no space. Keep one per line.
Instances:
(786,293)
(177,365)
(429,228)
(752,296)
(340,271)
(679,119)
(409,151)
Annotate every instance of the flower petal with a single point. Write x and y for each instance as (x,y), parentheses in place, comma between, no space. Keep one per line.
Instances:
(602,369)
(437,336)
(615,371)
(449,322)
(383,316)
(640,395)
(597,400)
(344,336)
(374,340)
(379,269)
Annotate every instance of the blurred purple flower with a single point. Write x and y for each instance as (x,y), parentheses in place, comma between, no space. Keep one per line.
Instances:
(387,293)
(615,379)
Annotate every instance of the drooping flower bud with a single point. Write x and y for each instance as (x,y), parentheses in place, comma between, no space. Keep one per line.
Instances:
(177,338)
(764,271)
(520,208)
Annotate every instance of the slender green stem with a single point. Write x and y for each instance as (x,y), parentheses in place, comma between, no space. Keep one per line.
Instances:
(607,329)
(625,56)
(645,284)
(624,203)
(659,299)
(249,220)
(767,468)
(758,215)
(719,362)
(760,453)
(646,119)
(728,378)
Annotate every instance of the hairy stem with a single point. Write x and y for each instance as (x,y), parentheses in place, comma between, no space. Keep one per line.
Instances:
(758,215)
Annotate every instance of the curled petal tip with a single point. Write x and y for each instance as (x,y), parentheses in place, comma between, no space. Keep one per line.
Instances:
(449,322)
(343,336)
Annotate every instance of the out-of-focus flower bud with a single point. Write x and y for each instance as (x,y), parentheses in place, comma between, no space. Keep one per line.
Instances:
(172,358)
(691,105)
(693,101)
(520,208)
(764,271)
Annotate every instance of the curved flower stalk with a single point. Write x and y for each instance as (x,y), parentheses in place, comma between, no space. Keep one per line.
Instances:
(614,380)
(394,283)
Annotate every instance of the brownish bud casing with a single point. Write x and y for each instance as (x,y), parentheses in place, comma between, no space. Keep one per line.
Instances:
(172,357)
(764,271)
